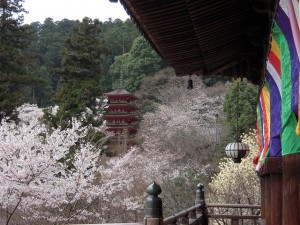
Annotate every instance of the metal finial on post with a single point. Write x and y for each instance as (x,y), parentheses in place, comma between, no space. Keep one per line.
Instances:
(200,199)
(153,206)
(200,194)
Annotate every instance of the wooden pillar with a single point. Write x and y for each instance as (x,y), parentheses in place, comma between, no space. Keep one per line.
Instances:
(271,190)
(276,199)
(263,205)
(291,181)
(267,199)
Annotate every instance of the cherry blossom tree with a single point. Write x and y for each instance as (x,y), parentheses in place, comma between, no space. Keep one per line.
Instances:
(48,177)
(237,183)
(176,145)
(185,122)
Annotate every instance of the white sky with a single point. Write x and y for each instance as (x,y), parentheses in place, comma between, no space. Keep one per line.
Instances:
(39,10)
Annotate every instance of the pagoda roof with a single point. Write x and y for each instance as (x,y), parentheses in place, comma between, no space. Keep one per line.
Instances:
(118,105)
(131,129)
(121,92)
(121,116)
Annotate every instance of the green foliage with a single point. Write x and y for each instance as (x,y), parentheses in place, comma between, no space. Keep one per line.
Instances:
(47,44)
(81,72)
(240,107)
(14,66)
(142,61)
(119,35)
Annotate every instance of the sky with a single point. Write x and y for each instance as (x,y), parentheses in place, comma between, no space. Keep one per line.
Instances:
(39,10)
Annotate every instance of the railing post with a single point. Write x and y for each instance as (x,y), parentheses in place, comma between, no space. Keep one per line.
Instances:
(192,215)
(234,221)
(200,199)
(153,206)
(184,220)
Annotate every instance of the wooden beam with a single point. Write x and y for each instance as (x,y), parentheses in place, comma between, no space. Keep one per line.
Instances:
(290,189)
(271,191)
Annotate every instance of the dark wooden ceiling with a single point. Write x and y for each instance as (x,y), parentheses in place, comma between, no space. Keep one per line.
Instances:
(207,37)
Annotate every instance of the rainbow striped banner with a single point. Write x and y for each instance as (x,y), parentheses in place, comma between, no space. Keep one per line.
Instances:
(282,79)
(263,124)
(293,12)
(290,68)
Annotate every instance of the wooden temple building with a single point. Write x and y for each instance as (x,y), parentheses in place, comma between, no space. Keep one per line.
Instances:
(120,116)
(248,39)
(120,112)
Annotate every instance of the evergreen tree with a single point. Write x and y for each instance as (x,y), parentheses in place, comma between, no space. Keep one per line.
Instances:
(81,72)
(240,107)
(14,37)
(47,44)
(119,36)
(140,62)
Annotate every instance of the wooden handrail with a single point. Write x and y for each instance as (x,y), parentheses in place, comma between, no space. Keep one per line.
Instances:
(181,214)
(225,216)
(195,215)
(186,212)
(233,206)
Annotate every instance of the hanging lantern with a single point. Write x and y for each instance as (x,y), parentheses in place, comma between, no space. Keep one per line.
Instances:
(190,83)
(237,151)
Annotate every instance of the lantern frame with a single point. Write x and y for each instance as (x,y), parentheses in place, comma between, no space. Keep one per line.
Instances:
(237,151)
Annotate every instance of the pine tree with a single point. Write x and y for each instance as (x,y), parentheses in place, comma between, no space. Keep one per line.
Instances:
(81,71)
(240,107)
(14,37)
(47,44)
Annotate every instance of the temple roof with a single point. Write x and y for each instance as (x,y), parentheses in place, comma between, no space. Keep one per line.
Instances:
(122,106)
(121,92)
(229,38)
(131,129)
(126,117)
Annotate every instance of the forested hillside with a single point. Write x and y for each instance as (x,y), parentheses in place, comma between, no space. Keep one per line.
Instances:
(56,164)
(51,39)
(43,48)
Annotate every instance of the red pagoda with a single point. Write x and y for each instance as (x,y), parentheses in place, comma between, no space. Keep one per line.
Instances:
(120,112)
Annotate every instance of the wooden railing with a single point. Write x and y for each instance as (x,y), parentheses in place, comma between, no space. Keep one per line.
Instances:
(196,215)
(234,218)
(199,214)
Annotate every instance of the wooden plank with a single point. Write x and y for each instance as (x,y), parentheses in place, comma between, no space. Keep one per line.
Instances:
(275,199)
(263,205)
(273,165)
(290,189)
(267,200)
(299,204)
(234,222)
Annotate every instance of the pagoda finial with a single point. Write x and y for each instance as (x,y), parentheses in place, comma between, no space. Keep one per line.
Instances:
(122,75)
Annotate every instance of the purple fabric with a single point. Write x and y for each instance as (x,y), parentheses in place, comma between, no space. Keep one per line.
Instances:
(275,117)
(284,23)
